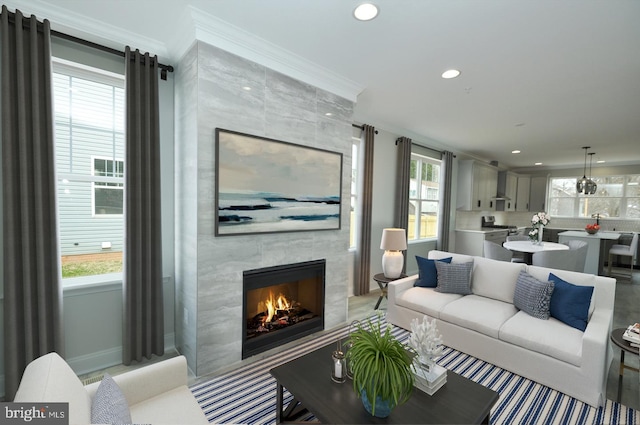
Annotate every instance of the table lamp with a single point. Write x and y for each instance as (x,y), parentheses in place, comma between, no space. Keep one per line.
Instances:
(394,241)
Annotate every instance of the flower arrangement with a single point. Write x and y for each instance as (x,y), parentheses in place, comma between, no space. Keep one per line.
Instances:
(538,221)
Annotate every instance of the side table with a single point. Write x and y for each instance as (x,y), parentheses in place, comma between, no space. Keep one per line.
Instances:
(383,282)
(616,338)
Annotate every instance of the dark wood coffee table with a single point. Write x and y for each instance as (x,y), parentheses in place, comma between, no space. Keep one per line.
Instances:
(308,379)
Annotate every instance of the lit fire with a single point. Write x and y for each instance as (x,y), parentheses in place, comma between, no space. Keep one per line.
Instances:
(274,304)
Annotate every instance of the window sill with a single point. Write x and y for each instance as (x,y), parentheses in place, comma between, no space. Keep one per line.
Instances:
(75,286)
(418,241)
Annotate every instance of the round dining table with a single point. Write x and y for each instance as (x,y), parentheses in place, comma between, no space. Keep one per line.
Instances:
(529,248)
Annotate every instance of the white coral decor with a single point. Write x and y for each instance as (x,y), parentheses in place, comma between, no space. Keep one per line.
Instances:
(425,339)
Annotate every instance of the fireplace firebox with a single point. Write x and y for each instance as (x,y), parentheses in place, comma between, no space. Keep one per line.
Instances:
(281,304)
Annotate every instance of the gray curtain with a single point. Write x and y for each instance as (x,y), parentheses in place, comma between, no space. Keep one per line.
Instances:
(363,250)
(32,278)
(401,215)
(445,202)
(143,333)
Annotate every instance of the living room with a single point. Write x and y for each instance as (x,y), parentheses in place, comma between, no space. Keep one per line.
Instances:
(202,271)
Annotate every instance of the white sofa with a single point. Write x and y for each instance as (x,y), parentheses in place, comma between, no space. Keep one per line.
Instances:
(488,326)
(156,394)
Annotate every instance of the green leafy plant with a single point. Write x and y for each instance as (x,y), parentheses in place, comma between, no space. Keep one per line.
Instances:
(380,364)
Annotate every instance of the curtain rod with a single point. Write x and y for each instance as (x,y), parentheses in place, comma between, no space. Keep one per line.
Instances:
(163,68)
(362,128)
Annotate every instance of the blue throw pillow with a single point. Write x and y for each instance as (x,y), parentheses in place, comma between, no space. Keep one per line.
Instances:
(427,273)
(570,303)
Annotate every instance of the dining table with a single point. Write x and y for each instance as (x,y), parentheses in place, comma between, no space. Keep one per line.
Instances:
(528,248)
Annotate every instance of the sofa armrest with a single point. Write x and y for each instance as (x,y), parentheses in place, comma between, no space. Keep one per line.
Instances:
(400,285)
(595,341)
(149,381)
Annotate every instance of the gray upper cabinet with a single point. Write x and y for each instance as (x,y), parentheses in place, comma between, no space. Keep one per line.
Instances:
(523,193)
(477,186)
(538,196)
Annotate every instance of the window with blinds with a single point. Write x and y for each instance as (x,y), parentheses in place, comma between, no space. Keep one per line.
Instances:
(89,135)
(424,197)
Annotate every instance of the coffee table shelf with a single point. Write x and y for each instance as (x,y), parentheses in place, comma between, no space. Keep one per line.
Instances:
(308,379)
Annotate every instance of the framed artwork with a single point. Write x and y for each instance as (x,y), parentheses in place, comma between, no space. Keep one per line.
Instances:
(267,186)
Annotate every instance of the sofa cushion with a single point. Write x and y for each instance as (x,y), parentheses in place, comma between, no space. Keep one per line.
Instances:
(570,303)
(576,278)
(425,300)
(50,379)
(495,279)
(533,296)
(427,272)
(109,405)
(454,278)
(549,337)
(481,314)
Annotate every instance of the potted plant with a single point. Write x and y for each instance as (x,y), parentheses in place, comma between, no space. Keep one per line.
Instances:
(381,368)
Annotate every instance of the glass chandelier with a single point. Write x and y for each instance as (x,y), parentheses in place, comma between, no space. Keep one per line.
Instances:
(585,184)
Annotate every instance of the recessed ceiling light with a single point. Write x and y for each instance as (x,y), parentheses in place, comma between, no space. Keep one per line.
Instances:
(247,88)
(328,114)
(365,12)
(450,73)
(538,163)
(515,151)
(600,161)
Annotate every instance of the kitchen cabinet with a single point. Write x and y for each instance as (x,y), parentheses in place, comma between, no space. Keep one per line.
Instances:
(538,195)
(477,186)
(472,242)
(522,193)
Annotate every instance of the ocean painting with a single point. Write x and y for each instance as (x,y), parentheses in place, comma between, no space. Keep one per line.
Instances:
(266,186)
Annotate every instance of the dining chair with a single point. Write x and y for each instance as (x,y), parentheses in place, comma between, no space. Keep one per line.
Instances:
(624,250)
(518,257)
(562,260)
(496,252)
(581,248)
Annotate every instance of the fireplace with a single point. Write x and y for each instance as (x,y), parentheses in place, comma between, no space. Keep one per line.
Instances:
(281,304)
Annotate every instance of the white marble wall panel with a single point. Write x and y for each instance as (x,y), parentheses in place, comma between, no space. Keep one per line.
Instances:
(277,107)
(186,195)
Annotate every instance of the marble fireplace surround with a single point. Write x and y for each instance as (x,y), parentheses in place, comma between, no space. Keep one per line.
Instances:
(209,95)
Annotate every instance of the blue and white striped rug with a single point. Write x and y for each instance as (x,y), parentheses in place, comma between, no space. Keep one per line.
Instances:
(247,395)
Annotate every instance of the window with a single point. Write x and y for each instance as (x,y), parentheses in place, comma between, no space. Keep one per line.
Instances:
(89,135)
(616,196)
(424,196)
(107,196)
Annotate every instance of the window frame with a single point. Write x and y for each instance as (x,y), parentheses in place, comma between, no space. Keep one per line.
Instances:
(96,184)
(577,198)
(424,159)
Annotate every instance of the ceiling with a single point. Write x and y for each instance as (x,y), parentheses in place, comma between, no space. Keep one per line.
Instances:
(544,77)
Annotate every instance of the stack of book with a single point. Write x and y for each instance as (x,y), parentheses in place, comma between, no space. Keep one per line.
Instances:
(632,334)
(432,380)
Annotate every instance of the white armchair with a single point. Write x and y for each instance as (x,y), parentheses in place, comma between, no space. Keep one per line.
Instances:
(156,394)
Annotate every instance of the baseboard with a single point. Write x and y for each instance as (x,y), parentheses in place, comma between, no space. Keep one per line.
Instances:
(104,359)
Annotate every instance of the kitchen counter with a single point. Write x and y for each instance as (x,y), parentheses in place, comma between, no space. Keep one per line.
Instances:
(595,247)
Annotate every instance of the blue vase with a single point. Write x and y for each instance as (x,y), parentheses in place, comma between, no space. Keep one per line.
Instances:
(383,407)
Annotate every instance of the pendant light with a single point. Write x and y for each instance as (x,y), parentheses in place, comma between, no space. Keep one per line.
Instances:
(580,185)
(591,186)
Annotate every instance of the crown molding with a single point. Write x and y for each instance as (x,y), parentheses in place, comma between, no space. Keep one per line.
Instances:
(233,39)
(81,26)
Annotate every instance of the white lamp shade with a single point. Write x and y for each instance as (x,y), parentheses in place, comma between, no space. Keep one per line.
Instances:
(393,240)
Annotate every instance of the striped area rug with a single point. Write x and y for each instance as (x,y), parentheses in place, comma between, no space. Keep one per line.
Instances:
(247,395)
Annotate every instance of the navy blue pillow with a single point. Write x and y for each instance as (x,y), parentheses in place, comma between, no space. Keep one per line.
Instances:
(427,273)
(570,303)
